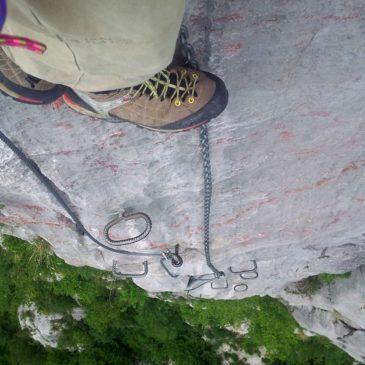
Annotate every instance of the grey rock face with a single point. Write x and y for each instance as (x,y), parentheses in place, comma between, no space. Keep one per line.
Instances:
(46,328)
(40,326)
(287,156)
(336,311)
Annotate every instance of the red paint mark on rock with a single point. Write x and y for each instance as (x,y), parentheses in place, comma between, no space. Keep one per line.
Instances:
(26,221)
(279,126)
(286,135)
(298,190)
(170,136)
(250,207)
(354,140)
(116,236)
(307,152)
(113,141)
(268,201)
(353,16)
(119,134)
(93,120)
(335,220)
(359,200)
(232,49)
(322,182)
(196,19)
(196,230)
(317,184)
(352,166)
(332,17)
(65,221)
(244,240)
(247,238)
(159,245)
(64,125)
(234,17)
(65,152)
(183,222)
(113,167)
(229,140)
(34,208)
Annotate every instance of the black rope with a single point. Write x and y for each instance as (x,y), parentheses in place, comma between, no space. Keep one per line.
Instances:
(51,187)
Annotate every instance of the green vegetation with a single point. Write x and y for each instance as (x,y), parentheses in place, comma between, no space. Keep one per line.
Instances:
(1,207)
(329,278)
(312,284)
(123,325)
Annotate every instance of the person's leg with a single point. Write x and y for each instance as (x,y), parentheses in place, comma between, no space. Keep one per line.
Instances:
(119,49)
(95,45)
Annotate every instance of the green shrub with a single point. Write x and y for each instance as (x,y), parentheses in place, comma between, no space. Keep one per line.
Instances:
(123,325)
(312,284)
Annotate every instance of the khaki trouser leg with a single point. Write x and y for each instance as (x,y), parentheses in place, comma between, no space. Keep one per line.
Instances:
(95,45)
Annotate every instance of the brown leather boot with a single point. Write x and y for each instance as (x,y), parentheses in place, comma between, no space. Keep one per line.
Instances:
(25,88)
(173,100)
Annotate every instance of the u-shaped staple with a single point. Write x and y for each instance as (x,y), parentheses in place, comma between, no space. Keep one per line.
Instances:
(119,274)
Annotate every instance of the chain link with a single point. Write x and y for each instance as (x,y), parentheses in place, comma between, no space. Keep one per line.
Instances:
(188,52)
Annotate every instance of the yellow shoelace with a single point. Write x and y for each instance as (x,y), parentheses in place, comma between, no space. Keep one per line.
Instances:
(162,87)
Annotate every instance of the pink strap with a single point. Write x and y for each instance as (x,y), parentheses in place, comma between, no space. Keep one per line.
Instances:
(29,44)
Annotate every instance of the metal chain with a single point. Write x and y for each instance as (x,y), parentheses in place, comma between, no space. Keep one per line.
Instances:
(188,52)
(207,176)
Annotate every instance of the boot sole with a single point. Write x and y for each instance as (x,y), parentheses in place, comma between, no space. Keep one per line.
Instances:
(76,107)
(28,96)
(215,107)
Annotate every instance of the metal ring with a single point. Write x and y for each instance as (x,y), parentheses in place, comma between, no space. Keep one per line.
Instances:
(245,287)
(128,216)
(176,260)
(174,257)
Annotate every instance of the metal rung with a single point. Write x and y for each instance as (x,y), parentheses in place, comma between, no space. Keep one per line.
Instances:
(119,274)
(243,271)
(225,285)
(247,274)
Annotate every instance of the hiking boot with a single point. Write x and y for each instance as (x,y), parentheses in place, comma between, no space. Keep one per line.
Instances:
(173,100)
(23,87)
